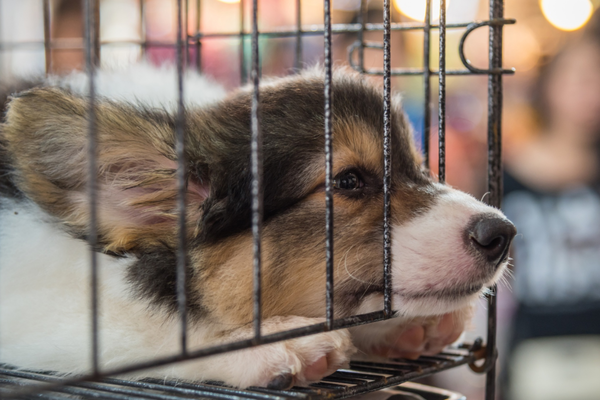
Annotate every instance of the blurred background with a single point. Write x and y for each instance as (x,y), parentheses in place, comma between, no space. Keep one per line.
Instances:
(549,314)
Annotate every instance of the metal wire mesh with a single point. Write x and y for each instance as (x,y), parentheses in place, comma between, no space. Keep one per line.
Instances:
(363,377)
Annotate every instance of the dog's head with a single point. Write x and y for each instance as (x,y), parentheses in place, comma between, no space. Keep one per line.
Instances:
(446,245)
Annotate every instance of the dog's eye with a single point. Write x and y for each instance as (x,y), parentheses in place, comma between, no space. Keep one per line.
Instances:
(348,181)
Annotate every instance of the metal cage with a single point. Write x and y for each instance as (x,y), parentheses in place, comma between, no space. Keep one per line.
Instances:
(362,377)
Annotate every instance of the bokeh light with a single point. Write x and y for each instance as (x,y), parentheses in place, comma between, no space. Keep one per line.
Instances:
(567,15)
(415,9)
(230,1)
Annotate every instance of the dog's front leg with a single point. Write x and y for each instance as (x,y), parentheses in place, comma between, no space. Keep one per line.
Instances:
(277,365)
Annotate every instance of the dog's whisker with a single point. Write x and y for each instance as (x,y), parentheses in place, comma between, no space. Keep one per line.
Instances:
(345,258)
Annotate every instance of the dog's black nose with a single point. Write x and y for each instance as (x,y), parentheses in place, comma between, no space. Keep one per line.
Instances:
(491,235)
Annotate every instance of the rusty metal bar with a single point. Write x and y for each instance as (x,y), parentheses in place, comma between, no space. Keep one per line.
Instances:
(442,96)
(328,166)
(198,40)
(143,37)
(495,183)
(257,175)
(427,85)
(299,34)
(90,12)
(181,187)
(47,38)
(387,160)
(96,38)
(242,49)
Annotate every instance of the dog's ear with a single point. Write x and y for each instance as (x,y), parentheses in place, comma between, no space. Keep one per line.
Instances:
(45,134)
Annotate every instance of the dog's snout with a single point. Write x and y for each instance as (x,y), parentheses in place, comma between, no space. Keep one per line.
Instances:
(491,236)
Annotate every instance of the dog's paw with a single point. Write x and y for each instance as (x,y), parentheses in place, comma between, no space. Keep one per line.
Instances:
(309,359)
(298,361)
(427,338)
(399,338)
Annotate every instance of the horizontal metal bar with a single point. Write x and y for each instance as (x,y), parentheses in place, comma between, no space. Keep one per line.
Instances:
(78,391)
(351,374)
(420,71)
(318,29)
(286,32)
(325,385)
(412,71)
(178,388)
(307,30)
(343,379)
(204,389)
(60,44)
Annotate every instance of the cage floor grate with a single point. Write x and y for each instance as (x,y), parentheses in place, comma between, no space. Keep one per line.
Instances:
(362,377)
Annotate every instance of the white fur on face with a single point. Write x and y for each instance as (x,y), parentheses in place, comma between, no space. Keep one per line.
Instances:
(431,259)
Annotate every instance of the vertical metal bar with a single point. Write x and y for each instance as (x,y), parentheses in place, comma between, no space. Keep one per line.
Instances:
(387,160)
(242,50)
(186,42)
(256,167)
(1,39)
(143,37)
(91,63)
(362,20)
(199,40)
(491,352)
(96,21)
(298,60)
(442,95)
(494,168)
(328,166)
(495,107)
(427,85)
(181,187)
(47,37)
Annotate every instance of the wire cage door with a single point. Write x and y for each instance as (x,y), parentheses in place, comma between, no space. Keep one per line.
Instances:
(362,377)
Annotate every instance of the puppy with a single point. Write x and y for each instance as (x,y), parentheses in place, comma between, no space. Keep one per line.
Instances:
(447,246)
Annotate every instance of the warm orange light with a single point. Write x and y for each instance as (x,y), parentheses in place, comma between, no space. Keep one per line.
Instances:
(230,1)
(415,9)
(567,15)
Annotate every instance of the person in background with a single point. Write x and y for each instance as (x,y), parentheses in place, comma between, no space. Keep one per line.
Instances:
(552,194)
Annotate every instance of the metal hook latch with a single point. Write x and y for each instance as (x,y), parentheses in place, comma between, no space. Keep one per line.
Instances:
(480,352)
(471,28)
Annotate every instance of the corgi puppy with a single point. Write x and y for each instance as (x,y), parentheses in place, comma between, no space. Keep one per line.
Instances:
(447,247)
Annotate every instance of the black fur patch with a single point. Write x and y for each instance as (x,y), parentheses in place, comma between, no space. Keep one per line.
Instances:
(7,186)
(154,276)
